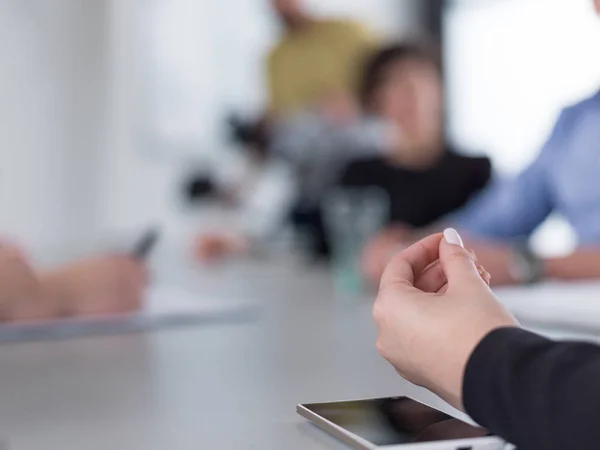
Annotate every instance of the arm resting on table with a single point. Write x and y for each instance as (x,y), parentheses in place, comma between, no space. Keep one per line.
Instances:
(584,264)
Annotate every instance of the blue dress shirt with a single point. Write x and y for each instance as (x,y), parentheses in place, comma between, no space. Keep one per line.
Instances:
(565,178)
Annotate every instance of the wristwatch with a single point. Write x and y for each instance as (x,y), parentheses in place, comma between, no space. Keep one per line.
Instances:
(526,267)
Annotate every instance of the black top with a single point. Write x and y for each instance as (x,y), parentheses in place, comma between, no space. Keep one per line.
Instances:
(534,392)
(419,198)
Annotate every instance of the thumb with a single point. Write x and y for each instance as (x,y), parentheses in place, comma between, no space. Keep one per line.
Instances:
(458,264)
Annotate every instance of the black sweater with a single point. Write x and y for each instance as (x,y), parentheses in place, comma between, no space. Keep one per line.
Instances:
(535,393)
(421,197)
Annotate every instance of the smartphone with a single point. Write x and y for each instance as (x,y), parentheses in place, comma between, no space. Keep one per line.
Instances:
(143,248)
(397,423)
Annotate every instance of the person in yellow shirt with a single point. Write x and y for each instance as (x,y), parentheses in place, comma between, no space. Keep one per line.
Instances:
(317,62)
(314,74)
(315,67)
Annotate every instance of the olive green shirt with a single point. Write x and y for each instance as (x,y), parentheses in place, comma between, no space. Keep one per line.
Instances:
(324,57)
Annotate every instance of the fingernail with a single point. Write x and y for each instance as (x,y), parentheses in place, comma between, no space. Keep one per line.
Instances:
(452,237)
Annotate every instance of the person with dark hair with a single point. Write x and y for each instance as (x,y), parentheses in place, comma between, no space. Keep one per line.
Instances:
(398,138)
(312,79)
(305,159)
(425,177)
(563,179)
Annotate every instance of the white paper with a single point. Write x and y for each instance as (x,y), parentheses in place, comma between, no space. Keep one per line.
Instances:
(571,306)
(165,307)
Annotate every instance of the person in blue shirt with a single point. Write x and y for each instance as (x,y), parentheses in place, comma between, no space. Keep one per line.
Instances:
(563,179)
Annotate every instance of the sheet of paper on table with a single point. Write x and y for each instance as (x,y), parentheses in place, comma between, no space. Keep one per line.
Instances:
(165,307)
(561,306)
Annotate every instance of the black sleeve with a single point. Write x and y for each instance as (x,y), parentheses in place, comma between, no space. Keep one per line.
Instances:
(534,392)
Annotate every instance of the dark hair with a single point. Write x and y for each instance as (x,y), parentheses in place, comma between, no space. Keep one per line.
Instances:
(377,64)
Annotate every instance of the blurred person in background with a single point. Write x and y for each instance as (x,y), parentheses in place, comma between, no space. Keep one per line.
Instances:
(305,159)
(312,75)
(401,134)
(425,177)
(497,225)
(315,65)
(103,285)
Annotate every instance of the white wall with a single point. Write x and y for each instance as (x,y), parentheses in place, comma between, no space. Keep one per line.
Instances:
(71,169)
(52,72)
(74,163)
(216,51)
(201,60)
(513,65)
(391,18)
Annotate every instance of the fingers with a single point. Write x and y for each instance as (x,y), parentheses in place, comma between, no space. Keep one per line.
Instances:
(459,265)
(134,297)
(131,285)
(130,268)
(407,265)
(213,248)
(375,258)
(485,275)
(432,279)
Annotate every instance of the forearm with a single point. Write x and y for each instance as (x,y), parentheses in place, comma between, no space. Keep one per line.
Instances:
(534,392)
(581,265)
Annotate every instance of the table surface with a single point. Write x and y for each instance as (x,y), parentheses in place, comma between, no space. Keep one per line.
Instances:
(221,386)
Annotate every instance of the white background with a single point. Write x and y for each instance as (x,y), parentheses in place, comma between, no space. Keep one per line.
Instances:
(53,85)
(201,60)
(512,66)
(72,163)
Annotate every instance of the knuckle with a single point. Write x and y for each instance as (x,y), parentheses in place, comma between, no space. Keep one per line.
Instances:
(378,311)
(460,257)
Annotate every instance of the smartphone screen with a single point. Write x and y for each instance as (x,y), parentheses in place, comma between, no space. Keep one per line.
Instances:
(395,421)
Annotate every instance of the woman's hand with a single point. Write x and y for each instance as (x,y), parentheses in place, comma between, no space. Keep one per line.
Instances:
(210,248)
(19,287)
(434,307)
(105,285)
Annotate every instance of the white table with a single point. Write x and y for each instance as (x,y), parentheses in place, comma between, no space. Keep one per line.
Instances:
(213,387)
(560,310)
